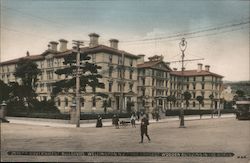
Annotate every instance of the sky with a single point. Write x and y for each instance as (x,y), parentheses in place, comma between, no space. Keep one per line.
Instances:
(216,30)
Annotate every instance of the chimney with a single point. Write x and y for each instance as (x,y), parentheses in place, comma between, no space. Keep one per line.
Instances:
(141,59)
(114,43)
(93,39)
(199,67)
(207,68)
(53,45)
(27,53)
(63,45)
(175,69)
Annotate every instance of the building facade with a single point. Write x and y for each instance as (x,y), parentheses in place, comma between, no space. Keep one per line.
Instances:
(127,78)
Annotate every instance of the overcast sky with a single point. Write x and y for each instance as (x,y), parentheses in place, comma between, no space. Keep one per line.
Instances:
(216,30)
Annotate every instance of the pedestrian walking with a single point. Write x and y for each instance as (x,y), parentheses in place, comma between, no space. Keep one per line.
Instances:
(144,128)
(99,121)
(132,120)
(116,121)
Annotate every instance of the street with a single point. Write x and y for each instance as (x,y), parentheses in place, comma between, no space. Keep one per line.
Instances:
(206,135)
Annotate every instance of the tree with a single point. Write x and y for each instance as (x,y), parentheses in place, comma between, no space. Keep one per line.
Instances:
(187,96)
(239,94)
(200,100)
(211,97)
(171,99)
(4,91)
(89,75)
(28,72)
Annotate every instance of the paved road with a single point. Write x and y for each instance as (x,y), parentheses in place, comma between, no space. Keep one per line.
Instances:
(207,135)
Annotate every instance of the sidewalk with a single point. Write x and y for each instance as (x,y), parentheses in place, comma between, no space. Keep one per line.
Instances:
(106,122)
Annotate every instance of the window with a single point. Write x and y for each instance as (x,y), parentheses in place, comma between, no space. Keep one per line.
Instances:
(187,78)
(193,86)
(50,62)
(131,62)
(110,58)
(42,86)
(93,57)
(153,92)
(58,102)
(110,86)
(50,75)
(82,102)
(110,71)
(193,104)
(194,79)
(66,102)
(94,102)
(130,74)
(203,78)
(131,86)
(187,86)
(202,94)
(143,81)
(193,94)
(153,82)
(119,60)
(203,86)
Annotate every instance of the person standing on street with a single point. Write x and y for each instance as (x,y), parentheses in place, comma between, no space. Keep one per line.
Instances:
(99,121)
(132,119)
(144,128)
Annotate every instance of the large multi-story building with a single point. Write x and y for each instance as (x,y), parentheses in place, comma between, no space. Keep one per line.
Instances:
(127,78)
(198,82)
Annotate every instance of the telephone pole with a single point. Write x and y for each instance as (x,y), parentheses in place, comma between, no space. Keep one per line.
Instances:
(78,107)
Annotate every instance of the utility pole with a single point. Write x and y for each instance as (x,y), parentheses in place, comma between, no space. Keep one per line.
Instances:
(78,107)
(183,46)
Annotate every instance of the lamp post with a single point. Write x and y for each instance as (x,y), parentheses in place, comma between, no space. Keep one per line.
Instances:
(183,46)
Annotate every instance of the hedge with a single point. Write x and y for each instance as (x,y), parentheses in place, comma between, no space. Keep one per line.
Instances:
(176,112)
(84,116)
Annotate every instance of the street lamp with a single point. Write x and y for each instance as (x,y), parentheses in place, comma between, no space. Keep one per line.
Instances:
(183,46)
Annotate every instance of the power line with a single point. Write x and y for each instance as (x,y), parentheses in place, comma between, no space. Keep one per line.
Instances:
(25,33)
(190,33)
(33,16)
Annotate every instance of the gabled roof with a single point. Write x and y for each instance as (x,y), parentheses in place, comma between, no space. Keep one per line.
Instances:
(153,64)
(99,48)
(31,57)
(195,73)
(96,49)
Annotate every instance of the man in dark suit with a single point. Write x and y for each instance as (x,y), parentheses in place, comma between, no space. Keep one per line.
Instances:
(144,128)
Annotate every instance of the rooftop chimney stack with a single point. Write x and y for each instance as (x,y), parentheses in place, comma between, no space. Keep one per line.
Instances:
(114,43)
(93,40)
(63,45)
(199,67)
(141,59)
(207,67)
(27,53)
(53,45)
